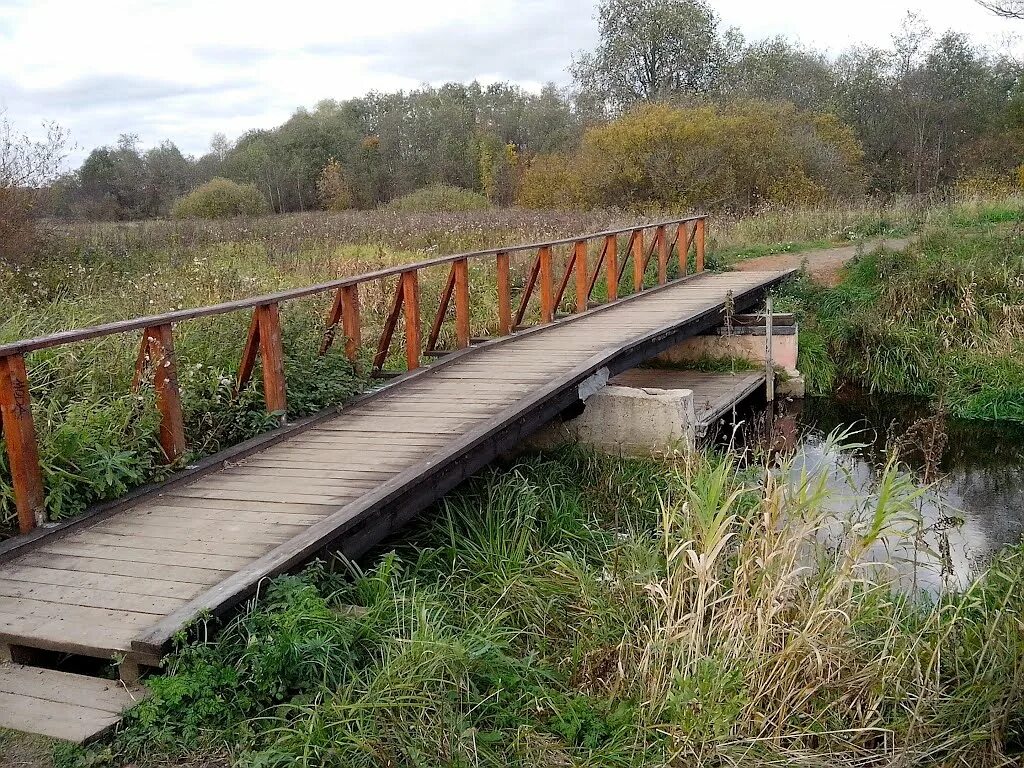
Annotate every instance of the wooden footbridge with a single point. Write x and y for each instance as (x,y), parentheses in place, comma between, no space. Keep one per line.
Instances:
(120,581)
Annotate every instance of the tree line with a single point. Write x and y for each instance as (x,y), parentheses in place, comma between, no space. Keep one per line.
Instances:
(670,108)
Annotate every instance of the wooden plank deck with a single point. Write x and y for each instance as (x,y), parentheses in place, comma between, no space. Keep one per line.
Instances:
(126,578)
(76,708)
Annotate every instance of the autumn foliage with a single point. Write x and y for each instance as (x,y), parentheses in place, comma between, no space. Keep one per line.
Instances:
(737,157)
(220,199)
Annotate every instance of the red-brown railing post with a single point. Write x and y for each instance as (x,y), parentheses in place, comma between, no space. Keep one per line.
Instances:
(662,246)
(264,341)
(344,311)
(462,325)
(20,435)
(638,260)
(504,295)
(699,240)
(350,321)
(611,261)
(272,354)
(547,287)
(582,276)
(157,354)
(411,304)
(442,309)
(683,239)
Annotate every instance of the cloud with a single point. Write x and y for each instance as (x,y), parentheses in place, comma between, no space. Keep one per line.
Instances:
(532,45)
(98,91)
(184,69)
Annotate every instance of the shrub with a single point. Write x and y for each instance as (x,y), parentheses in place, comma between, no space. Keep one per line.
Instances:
(334,189)
(551,181)
(739,157)
(440,198)
(17,227)
(27,167)
(221,199)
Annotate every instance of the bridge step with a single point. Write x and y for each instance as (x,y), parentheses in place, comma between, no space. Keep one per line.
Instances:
(61,705)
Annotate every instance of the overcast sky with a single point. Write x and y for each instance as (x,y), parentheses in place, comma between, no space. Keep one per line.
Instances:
(184,70)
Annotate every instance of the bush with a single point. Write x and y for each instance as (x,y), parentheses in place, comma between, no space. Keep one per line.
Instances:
(17,226)
(221,199)
(439,199)
(739,157)
(551,181)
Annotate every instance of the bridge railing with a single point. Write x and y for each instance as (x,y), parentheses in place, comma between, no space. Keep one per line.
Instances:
(675,238)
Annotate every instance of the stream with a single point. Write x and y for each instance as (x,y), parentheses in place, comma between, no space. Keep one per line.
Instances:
(971,475)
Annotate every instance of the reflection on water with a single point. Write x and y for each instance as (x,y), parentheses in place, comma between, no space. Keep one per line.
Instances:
(973,504)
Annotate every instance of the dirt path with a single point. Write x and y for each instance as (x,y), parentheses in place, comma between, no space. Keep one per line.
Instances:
(823,265)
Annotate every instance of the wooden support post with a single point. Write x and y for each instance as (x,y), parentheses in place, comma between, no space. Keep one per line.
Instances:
(411,304)
(461,269)
(504,295)
(582,276)
(442,310)
(350,321)
(611,262)
(157,354)
(344,312)
(333,319)
(547,287)
(388,332)
(637,250)
(272,354)
(264,341)
(683,239)
(698,237)
(19,654)
(20,435)
(661,243)
(769,364)
(128,672)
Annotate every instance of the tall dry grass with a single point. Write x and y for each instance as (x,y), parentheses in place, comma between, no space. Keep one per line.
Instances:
(660,614)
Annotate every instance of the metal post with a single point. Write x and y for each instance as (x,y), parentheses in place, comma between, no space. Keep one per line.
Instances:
(769,368)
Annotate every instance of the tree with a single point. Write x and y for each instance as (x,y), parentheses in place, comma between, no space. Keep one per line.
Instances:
(779,70)
(26,166)
(651,50)
(1009,9)
(333,188)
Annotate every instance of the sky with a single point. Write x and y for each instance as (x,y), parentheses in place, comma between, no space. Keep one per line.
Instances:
(185,70)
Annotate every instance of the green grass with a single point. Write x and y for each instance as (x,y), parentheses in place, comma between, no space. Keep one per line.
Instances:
(657,614)
(941,321)
(732,255)
(795,230)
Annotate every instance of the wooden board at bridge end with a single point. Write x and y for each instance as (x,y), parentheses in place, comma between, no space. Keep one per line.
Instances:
(61,705)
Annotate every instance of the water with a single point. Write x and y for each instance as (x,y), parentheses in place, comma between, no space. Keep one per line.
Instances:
(971,473)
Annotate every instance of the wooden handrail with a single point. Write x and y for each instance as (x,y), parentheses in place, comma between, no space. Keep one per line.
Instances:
(138,323)
(264,341)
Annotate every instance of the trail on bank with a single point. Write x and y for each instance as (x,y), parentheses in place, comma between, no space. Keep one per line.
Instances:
(823,265)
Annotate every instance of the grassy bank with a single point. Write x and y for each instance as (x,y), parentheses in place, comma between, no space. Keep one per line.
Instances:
(796,230)
(942,320)
(660,614)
